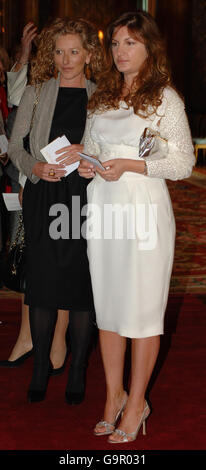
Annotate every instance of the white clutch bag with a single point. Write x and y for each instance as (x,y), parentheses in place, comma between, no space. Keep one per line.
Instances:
(152,146)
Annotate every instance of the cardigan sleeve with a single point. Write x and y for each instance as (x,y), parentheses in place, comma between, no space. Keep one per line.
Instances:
(23,160)
(175,128)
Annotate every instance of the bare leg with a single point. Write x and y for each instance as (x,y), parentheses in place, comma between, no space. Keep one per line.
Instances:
(24,341)
(113,349)
(59,346)
(144,355)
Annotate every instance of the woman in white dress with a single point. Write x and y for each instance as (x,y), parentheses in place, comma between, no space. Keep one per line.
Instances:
(131,265)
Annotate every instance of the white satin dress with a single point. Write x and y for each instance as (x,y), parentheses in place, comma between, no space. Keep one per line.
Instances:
(131,255)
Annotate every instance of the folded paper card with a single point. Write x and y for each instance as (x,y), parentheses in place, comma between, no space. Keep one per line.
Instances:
(49,153)
(92,160)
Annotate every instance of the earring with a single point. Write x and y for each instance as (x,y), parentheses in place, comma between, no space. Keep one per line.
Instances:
(55,71)
(87,71)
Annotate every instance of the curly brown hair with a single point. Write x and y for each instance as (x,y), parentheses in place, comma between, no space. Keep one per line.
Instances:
(43,66)
(153,76)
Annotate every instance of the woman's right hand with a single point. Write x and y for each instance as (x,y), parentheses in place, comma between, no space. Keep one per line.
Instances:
(29,33)
(49,171)
(86,169)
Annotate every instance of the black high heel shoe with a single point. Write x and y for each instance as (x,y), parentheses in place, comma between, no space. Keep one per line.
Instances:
(36,395)
(76,386)
(33,395)
(18,362)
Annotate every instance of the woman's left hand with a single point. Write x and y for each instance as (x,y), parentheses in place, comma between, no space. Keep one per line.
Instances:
(113,169)
(69,154)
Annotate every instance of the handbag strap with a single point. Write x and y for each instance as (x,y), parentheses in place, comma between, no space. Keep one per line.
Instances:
(19,238)
(38,90)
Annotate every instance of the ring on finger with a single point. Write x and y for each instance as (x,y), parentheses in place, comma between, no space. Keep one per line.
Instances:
(52,172)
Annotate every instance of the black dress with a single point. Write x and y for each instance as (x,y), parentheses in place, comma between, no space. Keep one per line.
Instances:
(57,269)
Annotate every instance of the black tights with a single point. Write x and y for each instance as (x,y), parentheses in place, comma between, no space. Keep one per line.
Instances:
(42,324)
(81,328)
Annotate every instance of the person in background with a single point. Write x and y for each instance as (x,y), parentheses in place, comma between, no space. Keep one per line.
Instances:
(131,270)
(4,222)
(58,274)
(3,215)
(16,83)
(4,67)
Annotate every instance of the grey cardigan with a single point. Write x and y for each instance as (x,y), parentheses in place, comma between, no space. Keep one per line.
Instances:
(39,135)
(2,131)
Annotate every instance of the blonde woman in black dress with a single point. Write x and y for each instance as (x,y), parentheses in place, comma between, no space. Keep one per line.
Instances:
(58,275)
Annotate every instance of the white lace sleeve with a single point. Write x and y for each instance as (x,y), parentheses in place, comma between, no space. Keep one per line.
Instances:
(175,128)
(90,147)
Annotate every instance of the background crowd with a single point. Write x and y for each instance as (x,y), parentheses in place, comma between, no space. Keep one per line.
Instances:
(13,79)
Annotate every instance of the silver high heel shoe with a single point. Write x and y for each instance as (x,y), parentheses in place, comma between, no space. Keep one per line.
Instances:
(109,427)
(129,437)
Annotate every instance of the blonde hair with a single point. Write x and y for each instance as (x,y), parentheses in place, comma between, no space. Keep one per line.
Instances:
(43,66)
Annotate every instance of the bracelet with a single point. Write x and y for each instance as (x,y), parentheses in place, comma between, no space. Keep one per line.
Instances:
(145,169)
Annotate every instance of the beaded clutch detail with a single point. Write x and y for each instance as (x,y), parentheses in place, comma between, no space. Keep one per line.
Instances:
(152,146)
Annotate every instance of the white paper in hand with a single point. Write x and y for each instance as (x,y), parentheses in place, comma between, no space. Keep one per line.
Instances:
(12,201)
(92,160)
(49,153)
